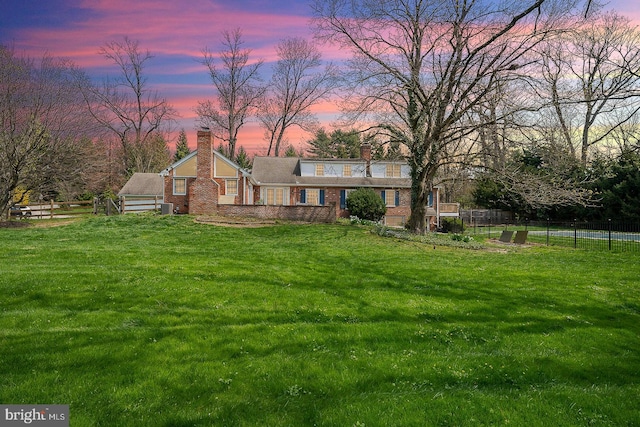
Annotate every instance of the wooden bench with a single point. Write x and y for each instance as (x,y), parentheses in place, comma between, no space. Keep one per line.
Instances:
(521,237)
(506,236)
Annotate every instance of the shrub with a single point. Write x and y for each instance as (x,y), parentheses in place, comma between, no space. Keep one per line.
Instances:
(452,225)
(366,204)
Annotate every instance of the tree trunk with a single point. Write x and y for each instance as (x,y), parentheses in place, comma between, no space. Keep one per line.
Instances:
(420,188)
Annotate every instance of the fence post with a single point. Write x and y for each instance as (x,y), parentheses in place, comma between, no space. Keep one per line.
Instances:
(548,225)
(51,211)
(609,233)
(575,233)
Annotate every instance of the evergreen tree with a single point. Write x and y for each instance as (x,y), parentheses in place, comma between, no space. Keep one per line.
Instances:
(291,152)
(242,158)
(182,148)
(620,190)
(320,145)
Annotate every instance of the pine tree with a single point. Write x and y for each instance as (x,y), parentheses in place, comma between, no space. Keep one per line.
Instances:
(242,158)
(182,148)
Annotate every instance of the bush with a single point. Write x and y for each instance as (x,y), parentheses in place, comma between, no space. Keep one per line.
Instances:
(452,225)
(366,204)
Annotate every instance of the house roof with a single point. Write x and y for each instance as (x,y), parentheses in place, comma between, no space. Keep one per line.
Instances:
(143,184)
(286,171)
(275,170)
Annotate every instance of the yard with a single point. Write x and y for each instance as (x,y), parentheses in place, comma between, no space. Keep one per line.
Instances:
(161,321)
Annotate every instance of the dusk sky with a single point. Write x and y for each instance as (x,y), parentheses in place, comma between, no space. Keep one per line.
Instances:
(175,32)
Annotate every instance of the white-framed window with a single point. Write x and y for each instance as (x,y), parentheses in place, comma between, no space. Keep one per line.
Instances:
(391,197)
(231,187)
(346,170)
(275,196)
(394,170)
(179,186)
(312,196)
(319,169)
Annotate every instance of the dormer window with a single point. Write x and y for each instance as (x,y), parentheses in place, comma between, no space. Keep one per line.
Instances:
(346,171)
(319,169)
(394,170)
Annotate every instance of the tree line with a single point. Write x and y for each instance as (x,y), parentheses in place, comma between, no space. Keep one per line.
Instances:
(527,98)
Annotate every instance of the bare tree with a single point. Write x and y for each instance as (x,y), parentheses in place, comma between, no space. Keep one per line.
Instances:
(544,189)
(428,64)
(295,87)
(42,124)
(588,82)
(237,83)
(128,109)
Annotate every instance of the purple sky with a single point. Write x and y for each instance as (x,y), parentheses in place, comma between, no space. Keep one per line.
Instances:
(175,32)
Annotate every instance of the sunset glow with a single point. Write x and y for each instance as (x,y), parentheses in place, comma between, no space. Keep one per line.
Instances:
(175,33)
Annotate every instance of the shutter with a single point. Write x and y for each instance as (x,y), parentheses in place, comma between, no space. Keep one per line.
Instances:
(303,196)
(322,197)
(431,198)
(384,197)
(343,199)
(397,198)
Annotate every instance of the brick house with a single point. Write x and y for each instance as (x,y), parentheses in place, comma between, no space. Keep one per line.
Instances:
(286,187)
(198,184)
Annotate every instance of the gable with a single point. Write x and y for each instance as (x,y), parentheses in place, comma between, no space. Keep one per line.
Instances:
(186,168)
(223,169)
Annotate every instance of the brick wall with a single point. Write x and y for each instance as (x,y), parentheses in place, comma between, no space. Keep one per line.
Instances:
(181,202)
(325,214)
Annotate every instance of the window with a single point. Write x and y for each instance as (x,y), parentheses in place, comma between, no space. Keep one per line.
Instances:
(391,197)
(393,171)
(312,197)
(275,196)
(319,169)
(346,171)
(232,187)
(180,186)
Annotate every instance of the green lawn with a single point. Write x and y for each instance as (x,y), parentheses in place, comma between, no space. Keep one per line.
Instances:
(159,321)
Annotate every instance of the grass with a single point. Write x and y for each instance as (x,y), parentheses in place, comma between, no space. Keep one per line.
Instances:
(160,321)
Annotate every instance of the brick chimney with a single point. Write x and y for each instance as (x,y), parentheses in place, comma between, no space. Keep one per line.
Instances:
(365,151)
(365,154)
(203,193)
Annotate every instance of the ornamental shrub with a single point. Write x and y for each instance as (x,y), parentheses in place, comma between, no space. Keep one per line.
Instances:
(366,204)
(452,225)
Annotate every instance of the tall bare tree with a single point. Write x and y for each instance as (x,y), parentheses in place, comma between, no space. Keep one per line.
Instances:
(237,83)
(42,124)
(130,111)
(427,64)
(295,87)
(590,83)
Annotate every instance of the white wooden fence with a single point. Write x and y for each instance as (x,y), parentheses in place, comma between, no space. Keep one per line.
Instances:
(132,204)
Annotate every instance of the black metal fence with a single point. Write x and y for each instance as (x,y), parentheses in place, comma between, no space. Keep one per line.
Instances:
(596,235)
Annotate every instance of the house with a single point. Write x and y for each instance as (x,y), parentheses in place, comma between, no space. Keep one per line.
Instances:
(206,182)
(198,184)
